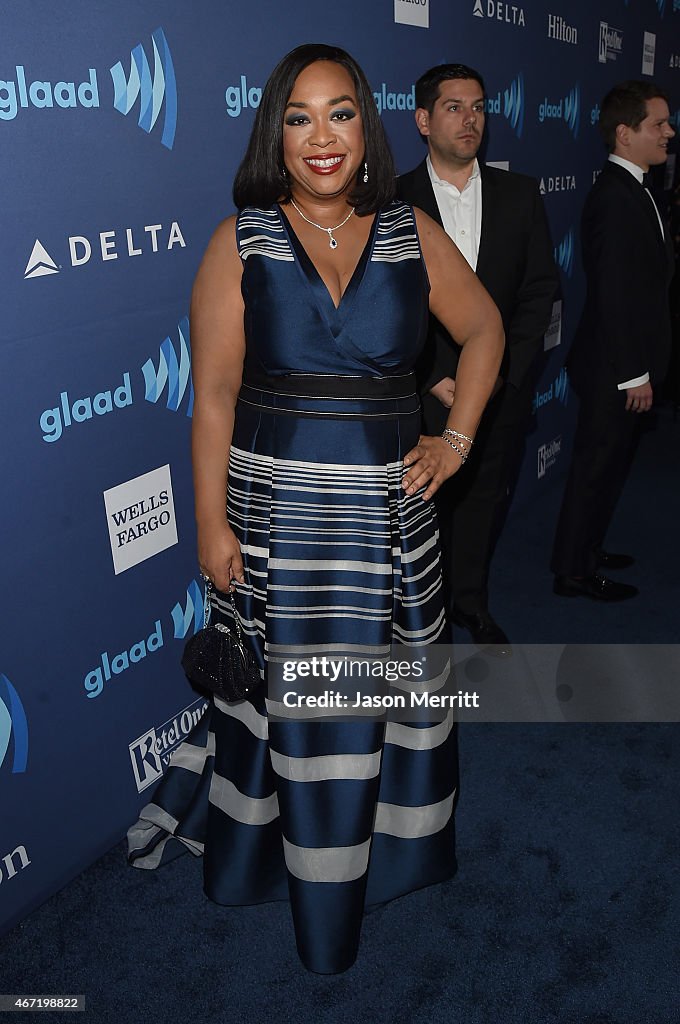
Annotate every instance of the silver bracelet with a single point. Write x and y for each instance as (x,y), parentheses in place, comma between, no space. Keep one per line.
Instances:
(457,433)
(459,451)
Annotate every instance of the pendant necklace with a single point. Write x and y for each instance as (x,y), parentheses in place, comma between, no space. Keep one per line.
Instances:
(333,242)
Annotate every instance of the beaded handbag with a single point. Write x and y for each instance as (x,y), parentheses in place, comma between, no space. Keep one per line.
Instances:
(217,659)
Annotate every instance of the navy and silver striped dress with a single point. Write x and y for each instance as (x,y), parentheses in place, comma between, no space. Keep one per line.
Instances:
(333,816)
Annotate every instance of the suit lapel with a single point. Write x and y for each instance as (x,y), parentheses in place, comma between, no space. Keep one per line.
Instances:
(423,193)
(640,196)
(491,211)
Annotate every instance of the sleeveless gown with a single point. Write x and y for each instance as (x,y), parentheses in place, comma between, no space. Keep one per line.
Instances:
(334,816)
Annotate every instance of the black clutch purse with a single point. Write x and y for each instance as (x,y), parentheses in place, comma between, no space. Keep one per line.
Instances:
(216,658)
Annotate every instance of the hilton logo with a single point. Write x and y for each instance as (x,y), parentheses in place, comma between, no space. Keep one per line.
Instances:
(559,30)
(12,863)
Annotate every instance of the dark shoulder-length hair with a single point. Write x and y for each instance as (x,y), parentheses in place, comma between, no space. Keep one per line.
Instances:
(261,179)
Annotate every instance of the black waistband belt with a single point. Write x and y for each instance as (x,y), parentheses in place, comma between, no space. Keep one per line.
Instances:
(328,385)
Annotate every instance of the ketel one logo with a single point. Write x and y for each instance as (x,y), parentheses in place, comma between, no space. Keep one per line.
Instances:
(510,104)
(13,729)
(152,90)
(564,253)
(171,371)
(190,617)
(568,109)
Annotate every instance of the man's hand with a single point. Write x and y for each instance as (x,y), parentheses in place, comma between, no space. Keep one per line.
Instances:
(640,398)
(444,391)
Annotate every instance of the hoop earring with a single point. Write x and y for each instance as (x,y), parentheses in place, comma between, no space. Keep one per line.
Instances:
(365,173)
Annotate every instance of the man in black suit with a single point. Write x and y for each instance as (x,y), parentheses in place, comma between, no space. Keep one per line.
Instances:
(497,220)
(623,341)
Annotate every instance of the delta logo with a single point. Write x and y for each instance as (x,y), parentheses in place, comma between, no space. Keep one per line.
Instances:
(567,109)
(155,90)
(13,729)
(185,619)
(110,245)
(496,10)
(564,253)
(170,376)
(557,183)
(510,103)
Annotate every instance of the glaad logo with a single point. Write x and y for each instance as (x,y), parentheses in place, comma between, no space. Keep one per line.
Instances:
(151,754)
(171,371)
(240,97)
(10,866)
(610,43)
(559,389)
(548,455)
(152,91)
(595,114)
(53,421)
(385,100)
(564,253)
(13,728)
(113,665)
(558,183)
(511,105)
(499,11)
(567,109)
(191,615)
(41,263)
(176,374)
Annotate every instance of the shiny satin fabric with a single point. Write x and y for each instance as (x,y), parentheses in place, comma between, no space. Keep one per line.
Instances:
(334,816)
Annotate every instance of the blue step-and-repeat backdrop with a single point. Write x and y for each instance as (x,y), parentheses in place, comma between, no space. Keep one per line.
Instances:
(122,125)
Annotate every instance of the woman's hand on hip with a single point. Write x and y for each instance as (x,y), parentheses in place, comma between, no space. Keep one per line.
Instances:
(429,465)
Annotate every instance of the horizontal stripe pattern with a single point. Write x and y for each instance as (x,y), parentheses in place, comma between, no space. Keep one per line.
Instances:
(332,864)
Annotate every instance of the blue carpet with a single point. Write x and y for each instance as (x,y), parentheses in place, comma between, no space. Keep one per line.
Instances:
(566,907)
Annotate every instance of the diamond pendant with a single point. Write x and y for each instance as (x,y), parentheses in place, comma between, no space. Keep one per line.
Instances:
(332,242)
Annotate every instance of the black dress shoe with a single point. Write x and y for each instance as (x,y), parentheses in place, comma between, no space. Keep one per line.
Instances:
(596,586)
(484,631)
(611,560)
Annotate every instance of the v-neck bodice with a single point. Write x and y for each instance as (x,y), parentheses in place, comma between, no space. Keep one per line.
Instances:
(291,322)
(319,287)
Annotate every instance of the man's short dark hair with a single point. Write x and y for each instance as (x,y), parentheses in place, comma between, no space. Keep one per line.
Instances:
(427,86)
(261,179)
(626,104)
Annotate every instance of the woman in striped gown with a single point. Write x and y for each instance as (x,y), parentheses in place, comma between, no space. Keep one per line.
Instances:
(308,313)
